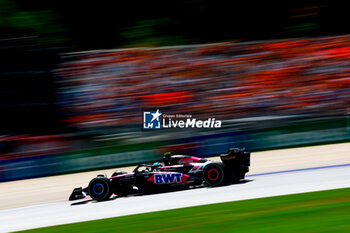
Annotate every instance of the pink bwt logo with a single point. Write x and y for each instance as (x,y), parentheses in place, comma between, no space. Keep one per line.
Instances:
(167,178)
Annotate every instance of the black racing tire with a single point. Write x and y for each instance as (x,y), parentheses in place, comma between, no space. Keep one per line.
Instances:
(214,174)
(100,189)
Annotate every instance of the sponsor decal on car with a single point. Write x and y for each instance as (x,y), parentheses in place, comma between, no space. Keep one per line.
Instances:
(168,178)
(196,169)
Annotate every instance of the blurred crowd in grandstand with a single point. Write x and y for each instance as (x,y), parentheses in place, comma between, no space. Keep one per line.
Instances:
(226,80)
(110,89)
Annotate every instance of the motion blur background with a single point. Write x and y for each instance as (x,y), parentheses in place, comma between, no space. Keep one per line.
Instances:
(76,77)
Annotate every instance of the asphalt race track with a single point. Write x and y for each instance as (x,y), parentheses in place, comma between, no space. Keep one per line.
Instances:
(255,186)
(52,189)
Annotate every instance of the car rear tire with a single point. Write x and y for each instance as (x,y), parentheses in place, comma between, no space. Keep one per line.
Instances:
(213,174)
(100,189)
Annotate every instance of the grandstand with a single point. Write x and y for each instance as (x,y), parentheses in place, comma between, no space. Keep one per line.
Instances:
(110,88)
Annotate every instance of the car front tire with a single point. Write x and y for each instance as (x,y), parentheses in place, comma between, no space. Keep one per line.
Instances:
(100,189)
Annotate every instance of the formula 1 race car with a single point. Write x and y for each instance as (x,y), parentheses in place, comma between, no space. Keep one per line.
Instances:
(177,172)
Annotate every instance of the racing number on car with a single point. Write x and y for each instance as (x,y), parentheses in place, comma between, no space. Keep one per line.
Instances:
(167,178)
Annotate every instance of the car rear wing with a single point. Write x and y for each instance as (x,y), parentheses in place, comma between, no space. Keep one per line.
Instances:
(236,156)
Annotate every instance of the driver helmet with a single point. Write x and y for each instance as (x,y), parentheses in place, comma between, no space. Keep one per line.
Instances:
(157,164)
(167,158)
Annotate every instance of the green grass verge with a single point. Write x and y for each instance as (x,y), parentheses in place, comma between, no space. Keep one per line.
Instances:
(324,211)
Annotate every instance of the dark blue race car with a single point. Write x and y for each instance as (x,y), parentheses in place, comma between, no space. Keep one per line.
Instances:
(176,172)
